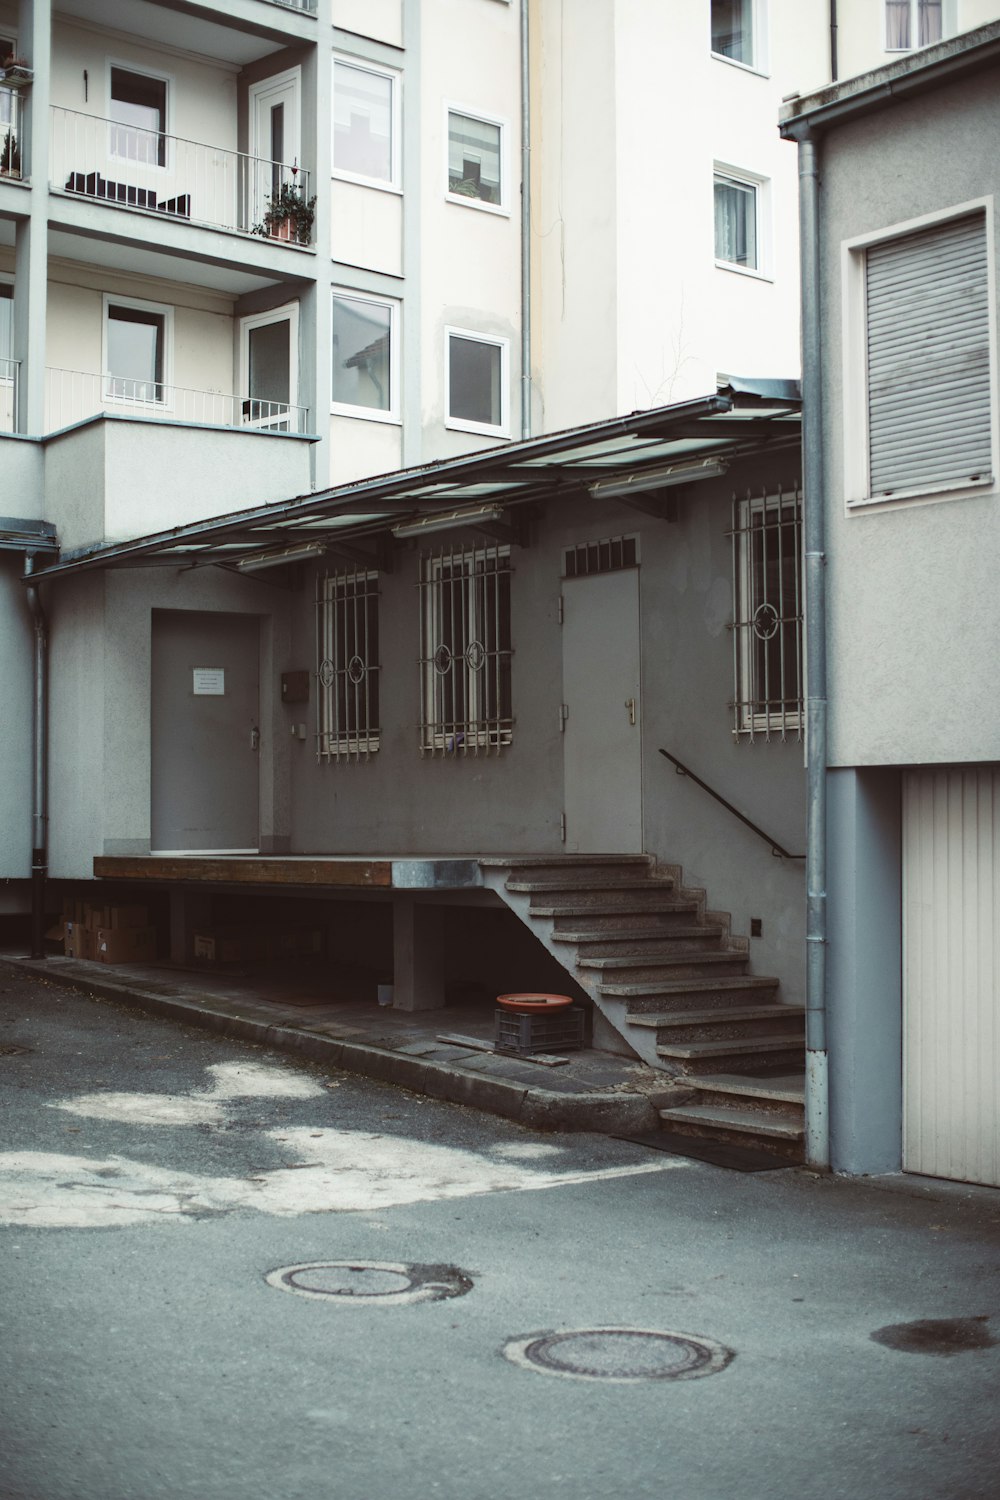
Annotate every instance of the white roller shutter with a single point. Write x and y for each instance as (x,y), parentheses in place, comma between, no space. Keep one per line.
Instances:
(927,305)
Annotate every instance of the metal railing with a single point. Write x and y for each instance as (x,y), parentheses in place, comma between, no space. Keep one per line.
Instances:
(73,395)
(129,167)
(682,770)
(11,109)
(308,5)
(10,370)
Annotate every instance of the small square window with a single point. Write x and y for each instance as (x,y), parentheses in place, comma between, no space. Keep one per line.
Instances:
(733,31)
(138,111)
(916,23)
(364,356)
(475,159)
(737,237)
(136,352)
(365,128)
(477,382)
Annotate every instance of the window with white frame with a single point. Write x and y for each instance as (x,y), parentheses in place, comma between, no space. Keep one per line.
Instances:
(347,638)
(476,166)
(465,651)
(918,23)
(365,123)
(6,326)
(734,31)
(365,358)
(138,111)
(476,381)
(738,220)
(919,376)
(767,629)
(136,350)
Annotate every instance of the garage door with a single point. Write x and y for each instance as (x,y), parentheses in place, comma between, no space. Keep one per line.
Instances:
(951,974)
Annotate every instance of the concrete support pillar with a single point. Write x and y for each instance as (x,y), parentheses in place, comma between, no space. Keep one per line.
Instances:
(34,41)
(190,912)
(418,955)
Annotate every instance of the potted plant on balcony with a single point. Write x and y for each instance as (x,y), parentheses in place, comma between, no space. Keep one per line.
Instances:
(10,156)
(14,72)
(289,216)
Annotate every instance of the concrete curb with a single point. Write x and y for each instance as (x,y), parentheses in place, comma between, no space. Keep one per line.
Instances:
(537,1108)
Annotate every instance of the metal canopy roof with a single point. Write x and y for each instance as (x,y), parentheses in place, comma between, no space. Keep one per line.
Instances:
(742,418)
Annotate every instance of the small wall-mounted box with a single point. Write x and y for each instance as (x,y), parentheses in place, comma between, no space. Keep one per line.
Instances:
(295,687)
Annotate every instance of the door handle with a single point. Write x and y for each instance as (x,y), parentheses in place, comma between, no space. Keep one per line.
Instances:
(254,737)
(630,705)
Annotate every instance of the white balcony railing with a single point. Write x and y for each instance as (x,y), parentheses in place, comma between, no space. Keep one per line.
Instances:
(73,395)
(10,369)
(107,161)
(10,133)
(309,5)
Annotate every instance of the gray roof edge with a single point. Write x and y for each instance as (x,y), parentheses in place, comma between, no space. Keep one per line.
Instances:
(766,389)
(927,68)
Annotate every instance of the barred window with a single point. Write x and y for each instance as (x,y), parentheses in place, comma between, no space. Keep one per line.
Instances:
(348,655)
(767,631)
(465,651)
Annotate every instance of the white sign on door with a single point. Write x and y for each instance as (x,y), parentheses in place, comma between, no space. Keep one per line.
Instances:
(210,682)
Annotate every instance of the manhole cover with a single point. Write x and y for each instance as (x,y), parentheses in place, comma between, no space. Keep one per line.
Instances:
(371,1281)
(620,1354)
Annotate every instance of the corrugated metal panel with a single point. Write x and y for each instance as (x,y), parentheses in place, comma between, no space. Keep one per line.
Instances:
(929,358)
(951,974)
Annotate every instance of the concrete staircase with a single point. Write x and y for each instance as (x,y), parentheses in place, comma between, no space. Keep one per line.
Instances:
(674,983)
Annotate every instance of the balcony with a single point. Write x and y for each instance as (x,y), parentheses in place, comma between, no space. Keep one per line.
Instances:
(10,370)
(129,167)
(74,395)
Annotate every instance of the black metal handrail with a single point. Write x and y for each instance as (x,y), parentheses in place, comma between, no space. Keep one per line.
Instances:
(682,770)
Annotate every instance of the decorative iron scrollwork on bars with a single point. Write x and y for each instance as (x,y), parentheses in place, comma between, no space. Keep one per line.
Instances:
(465,651)
(767,628)
(347,651)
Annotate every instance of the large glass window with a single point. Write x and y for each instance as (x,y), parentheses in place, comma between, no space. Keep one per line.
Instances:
(477,382)
(138,109)
(6,324)
(364,359)
(135,340)
(475,159)
(736,222)
(733,30)
(364,123)
(465,651)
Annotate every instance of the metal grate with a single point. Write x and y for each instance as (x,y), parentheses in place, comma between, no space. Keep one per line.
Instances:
(465,651)
(347,652)
(767,630)
(608,556)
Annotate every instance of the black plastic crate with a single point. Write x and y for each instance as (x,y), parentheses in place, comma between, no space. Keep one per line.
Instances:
(561,1031)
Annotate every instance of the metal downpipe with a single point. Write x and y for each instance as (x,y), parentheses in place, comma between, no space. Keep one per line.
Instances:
(525,224)
(817,1121)
(39,808)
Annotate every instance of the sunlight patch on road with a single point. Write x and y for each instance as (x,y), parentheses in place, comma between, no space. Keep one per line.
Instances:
(229,1081)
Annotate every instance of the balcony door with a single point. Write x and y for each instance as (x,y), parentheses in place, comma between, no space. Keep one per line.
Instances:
(269,344)
(275,138)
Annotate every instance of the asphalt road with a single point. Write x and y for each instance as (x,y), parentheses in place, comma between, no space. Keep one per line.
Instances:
(152,1177)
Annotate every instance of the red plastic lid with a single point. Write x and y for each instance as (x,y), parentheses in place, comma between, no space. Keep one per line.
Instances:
(534,1002)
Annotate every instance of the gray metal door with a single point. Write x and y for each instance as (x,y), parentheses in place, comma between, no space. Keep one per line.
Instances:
(602,743)
(205,734)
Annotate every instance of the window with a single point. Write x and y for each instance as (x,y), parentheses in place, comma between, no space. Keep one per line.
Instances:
(365,124)
(476,169)
(917,23)
(6,326)
(364,357)
(138,111)
(476,398)
(733,31)
(608,556)
(919,363)
(767,631)
(135,338)
(348,673)
(737,222)
(269,348)
(465,653)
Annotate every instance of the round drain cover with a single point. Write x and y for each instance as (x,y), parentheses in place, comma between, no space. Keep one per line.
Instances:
(620,1354)
(371,1281)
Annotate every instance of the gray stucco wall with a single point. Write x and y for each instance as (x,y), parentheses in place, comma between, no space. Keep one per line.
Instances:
(914,628)
(15,731)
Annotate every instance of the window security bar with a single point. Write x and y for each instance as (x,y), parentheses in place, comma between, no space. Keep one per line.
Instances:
(348,669)
(129,166)
(465,651)
(767,628)
(607,556)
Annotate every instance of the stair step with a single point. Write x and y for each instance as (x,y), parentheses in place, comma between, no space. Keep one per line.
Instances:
(692,1053)
(719,985)
(693,933)
(596,883)
(721,1016)
(565,861)
(715,1117)
(779,1089)
(644,903)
